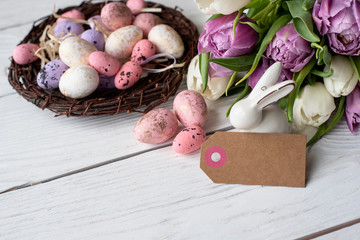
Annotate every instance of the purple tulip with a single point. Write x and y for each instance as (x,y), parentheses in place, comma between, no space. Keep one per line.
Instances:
(340,21)
(289,48)
(261,68)
(353,109)
(217,38)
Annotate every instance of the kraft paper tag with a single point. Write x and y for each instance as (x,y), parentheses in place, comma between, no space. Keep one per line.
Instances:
(255,158)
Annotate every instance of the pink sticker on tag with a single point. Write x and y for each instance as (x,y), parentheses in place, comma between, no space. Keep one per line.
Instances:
(215,157)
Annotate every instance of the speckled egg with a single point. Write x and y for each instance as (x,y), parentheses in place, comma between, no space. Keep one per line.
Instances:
(79,81)
(156,126)
(75,51)
(106,82)
(190,108)
(49,76)
(25,53)
(142,50)
(166,40)
(146,21)
(94,37)
(116,15)
(135,5)
(189,139)
(128,75)
(72,14)
(121,42)
(66,27)
(96,22)
(104,63)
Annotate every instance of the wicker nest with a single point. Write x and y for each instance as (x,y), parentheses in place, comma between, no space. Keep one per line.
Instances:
(145,95)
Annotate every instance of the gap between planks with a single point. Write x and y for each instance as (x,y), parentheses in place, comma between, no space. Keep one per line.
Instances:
(128,156)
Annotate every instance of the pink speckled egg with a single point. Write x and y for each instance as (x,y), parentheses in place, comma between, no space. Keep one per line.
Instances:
(71,14)
(189,139)
(104,63)
(142,50)
(156,126)
(146,21)
(116,15)
(135,5)
(25,53)
(128,75)
(190,108)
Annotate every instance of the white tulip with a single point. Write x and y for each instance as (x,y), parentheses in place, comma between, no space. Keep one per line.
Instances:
(220,6)
(313,107)
(344,79)
(216,86)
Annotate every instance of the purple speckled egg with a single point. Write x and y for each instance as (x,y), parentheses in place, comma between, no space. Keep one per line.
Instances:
(106,82)
(65,27)
(49,76)
(94,37)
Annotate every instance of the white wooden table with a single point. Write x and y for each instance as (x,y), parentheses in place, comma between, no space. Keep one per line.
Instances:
(88,178)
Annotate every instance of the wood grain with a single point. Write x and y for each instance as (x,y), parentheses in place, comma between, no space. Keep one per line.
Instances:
(162,195)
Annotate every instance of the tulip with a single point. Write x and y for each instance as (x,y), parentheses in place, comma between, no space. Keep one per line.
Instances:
(344,79)
(313,107)
(216,85)
(261,68)
(289,48)
(340,22)
(217,38)
(352,109)
(220,6)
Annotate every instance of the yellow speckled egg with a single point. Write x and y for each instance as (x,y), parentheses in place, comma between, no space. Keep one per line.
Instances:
(79,81)
(121,42)
(166,40)
(75,51)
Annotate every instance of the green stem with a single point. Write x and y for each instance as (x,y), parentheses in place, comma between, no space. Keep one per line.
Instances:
(204,68)
(323,129)
(236,20)
(241,96)
(231,81)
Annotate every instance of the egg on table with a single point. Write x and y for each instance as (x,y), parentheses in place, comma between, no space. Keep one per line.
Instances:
(79,81)
(116,15)
(189,139)
(146,21)
(156,126)
(121,42)
(49,76)
(75,51)
(167,40)
(142,51)
(94,37)
(104,63)
(190,108)
(129,74)
(25,53)
(66,27)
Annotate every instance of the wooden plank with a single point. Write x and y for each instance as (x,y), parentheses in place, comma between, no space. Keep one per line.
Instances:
(163,195)
(36,146)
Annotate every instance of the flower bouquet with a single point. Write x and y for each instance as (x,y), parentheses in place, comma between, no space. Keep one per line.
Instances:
(317,43)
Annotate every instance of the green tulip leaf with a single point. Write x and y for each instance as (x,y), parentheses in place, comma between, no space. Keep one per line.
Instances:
(355,61)
(215,16)
(256,6)
(204,68)
(308,4)
(302,21)
(231,81)
(279,23)
(255,27)
(327,56)
(298,78)
(239,64)
(236,21)
(322,74)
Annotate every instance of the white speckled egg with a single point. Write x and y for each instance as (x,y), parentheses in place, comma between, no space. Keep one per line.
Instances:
(79,81)
(166,40)
(75,51)
(121,42)
(156,126)
(190,108)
